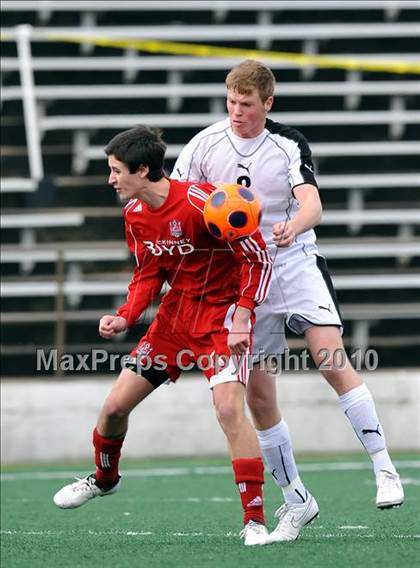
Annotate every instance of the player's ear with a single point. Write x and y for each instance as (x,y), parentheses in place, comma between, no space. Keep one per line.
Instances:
(143,170)
(268,103)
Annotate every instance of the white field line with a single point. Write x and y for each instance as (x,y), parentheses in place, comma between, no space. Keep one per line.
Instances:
(199,470)
(352,527)
(187,500)
(404,481)
(326,535)
(410,481)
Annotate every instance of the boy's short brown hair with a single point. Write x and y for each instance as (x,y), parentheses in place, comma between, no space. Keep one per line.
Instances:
(139,146)
(249,75)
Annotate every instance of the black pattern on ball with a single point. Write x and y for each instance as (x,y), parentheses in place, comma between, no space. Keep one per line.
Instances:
(238,219)
(215,231)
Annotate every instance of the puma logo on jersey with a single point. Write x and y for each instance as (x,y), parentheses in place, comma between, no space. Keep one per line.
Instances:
(245,167)
(324,308)
(179,172)
(310,168)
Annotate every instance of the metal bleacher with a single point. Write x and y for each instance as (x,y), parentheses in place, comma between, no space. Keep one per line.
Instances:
(63,257)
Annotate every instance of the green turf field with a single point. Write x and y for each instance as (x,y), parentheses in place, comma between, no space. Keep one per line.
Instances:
(186,513)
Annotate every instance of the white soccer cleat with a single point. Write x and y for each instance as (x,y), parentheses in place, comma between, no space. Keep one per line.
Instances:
(390,490)
(254,533)
(292,518)
(80,492)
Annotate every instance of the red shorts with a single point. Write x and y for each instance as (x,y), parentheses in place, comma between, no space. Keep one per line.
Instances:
(187,332)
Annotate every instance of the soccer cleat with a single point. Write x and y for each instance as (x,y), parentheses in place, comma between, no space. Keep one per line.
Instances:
(81,491)
(292,518)
(254,533)
(390,490)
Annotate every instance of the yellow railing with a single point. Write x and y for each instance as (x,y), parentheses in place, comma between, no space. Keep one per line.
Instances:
(199,50)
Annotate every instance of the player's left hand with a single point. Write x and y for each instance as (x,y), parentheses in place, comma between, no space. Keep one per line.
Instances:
(238,338)
(283,234)
(110,325)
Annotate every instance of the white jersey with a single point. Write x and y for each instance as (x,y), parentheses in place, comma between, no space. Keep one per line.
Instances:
(272,164)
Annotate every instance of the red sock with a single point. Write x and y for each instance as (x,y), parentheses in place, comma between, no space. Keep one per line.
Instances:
(107,457)
(249,476)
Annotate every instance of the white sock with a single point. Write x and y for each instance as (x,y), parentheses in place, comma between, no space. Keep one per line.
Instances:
(381,460)
(276,447)
(359,408)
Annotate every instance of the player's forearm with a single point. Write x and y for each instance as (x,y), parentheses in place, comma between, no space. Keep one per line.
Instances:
(256,269)
(130,313)
(238,339)
(242,314)
(137,304)
(308,216)
(310,208)
(142,290)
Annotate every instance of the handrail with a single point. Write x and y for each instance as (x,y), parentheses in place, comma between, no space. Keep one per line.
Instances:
(73,255)
(104,251)
(32,130)
(229,32)
(331,181)
(194,90)
(369,180)
(100,287)
(199,5)
(9,185)
(111,121)
(370,311)
(169,63)
(32,220)
(72,216)
(319,150)
(371,217)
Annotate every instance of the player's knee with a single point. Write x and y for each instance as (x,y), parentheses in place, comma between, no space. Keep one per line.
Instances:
(264,411)
(229,414)
(342,379)
(259,402)
(113,408)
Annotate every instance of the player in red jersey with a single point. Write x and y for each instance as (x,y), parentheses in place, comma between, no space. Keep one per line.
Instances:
(206,316)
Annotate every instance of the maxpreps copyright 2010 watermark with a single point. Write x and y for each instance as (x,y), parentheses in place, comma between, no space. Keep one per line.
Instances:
(94,360)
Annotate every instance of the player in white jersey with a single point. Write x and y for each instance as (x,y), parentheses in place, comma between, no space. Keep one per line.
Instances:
(275,160)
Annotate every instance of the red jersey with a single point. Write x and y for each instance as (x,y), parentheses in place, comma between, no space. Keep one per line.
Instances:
(172,244)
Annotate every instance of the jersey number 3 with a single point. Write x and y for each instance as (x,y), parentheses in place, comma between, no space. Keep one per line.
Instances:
(244,180)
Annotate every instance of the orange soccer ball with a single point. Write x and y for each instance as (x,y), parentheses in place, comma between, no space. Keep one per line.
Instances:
(232,211)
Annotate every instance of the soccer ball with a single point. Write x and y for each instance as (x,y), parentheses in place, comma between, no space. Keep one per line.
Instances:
(232,211)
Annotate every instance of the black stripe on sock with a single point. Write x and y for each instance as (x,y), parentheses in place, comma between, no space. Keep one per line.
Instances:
(284,467)
(300,495)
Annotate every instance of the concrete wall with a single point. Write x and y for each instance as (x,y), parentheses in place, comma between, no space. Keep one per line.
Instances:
(49,420)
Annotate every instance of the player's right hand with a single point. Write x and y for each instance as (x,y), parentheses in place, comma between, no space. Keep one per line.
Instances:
(111,325)
(239,339)
(284,234)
